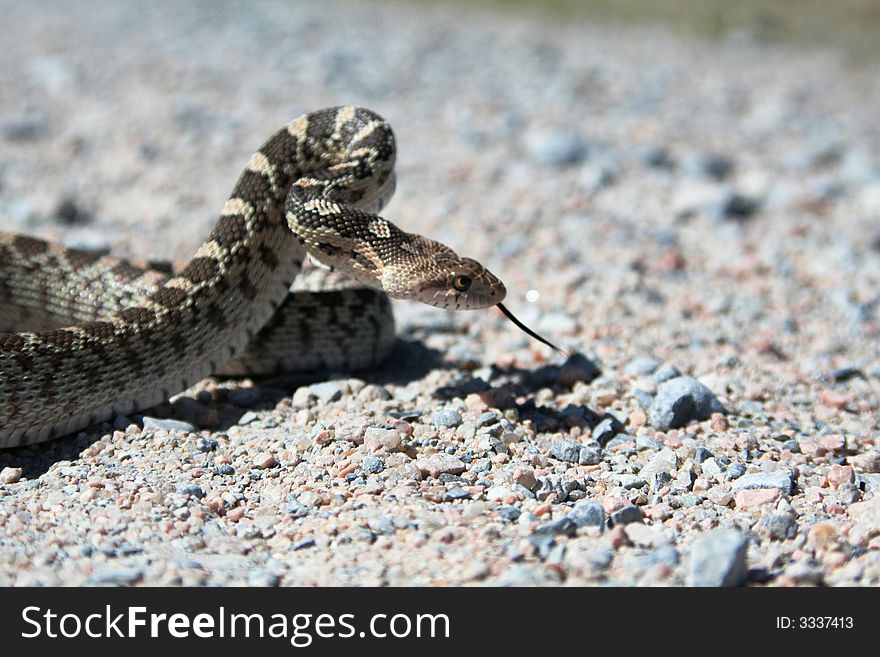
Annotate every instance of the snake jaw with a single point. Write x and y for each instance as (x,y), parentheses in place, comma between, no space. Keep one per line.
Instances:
(482,293)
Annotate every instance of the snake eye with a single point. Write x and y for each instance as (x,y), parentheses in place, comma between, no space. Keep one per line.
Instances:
(461,283)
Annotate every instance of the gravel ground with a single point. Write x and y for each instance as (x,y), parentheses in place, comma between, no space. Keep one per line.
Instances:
(697,223)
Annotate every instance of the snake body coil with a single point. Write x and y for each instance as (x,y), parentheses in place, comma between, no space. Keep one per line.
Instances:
(110,338)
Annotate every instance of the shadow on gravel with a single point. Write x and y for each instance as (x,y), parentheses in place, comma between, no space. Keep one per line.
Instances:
(35,460)
(410,360)
(515,387)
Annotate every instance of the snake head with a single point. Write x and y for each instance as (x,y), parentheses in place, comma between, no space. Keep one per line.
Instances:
(450,281)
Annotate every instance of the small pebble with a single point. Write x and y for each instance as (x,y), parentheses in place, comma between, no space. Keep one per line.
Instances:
(626,515)
(158,424)
(372,464)
(779,480)
(588,513)
(446,419)
(681,400)
(555,147)
(436,464)
(265,460)
(10,475)
(718,558)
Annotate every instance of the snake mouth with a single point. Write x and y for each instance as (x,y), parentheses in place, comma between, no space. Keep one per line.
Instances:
(441,296)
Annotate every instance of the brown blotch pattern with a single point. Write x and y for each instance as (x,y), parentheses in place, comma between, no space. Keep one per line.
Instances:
(80,259)
(137,315)
(29,246)
(230,230)
(170,297)
(201,269)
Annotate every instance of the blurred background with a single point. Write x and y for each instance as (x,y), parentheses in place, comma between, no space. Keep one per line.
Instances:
(853,25)
(693,179)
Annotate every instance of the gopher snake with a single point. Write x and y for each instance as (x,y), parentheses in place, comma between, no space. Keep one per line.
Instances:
(112,339)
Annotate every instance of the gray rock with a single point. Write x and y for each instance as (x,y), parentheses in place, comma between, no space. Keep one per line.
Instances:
(566,451)
(656,156)
(383,525)
(869,482)
(520,575)
(751,408)
(543,544)
(701,454)
(806,571)
(152,423)
(247,418)
(372,464)
(643,398)
(606,429)
(641,366)
(115,576)
(780,526)
(263,578)
(295,508)
(657,480)
(371,392)
(847,373)
(510,513)
(685,479)
(588,513)
(207,444)
(626,515)
(685,501)
(681,400)
(738,206)
(780,480)
(303,544)
(190,489)
(666,460)
(487,419)
(848,493)
(556,485)
(631,481)
(735,470)
(597,559)
(719,559)
(620,439)
(590,456)
(646,442)
(666,373)
(555,147)
(711,468)
(564,526)
(328,391)
(665,555)
(24,129)
(710,165)
(457,493)
(446,419)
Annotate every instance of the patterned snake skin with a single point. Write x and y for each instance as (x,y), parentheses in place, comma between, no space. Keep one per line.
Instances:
(109,338)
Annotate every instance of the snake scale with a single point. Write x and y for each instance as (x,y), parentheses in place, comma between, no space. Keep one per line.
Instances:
(108,338)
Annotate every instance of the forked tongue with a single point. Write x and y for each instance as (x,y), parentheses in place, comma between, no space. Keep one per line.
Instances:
(527,330)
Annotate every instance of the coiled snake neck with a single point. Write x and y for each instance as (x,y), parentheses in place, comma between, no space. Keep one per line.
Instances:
(108,338)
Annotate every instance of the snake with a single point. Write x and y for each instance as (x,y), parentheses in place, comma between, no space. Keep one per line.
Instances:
(86,337)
